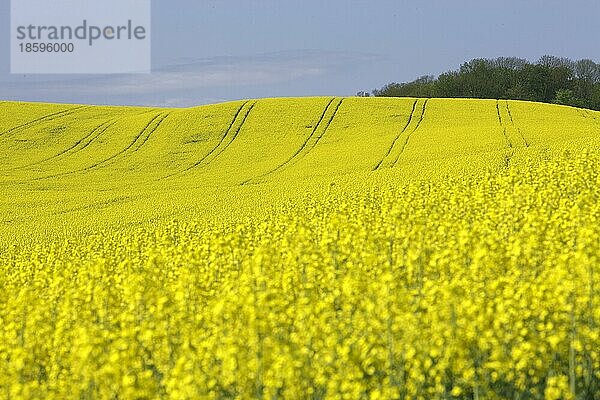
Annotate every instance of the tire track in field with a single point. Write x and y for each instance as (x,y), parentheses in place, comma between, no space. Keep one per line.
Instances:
(160,120)
(412,111)
(298,151)
(589,114)
(131,145)
(100,133)
(106,128)
(312,133)
(326,126)
(502,125)
(45,118)
(100,128)
(417,126)
(508,156)
(225,134)
(512,121)
(216,148)
(105,162)
(235,135)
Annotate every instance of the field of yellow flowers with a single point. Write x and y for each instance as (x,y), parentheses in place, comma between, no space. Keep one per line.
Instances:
(325,248)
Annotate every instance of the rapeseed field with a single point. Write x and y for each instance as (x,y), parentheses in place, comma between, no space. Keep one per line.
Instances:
(318,248)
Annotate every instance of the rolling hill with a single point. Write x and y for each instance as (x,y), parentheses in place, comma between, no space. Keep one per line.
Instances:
(257,141)
(218,159)
(77,158)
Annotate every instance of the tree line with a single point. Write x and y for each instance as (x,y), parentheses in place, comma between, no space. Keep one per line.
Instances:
(551,80)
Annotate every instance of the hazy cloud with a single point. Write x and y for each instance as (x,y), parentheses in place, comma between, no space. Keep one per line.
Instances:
(185,82)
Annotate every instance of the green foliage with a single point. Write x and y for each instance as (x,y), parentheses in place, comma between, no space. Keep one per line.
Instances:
(421,87)
(550,80)
(568,98)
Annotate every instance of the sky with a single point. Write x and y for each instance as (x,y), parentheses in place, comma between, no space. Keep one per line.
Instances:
(209,51)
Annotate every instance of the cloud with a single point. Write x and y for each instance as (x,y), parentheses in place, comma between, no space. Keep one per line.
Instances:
(174,82)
